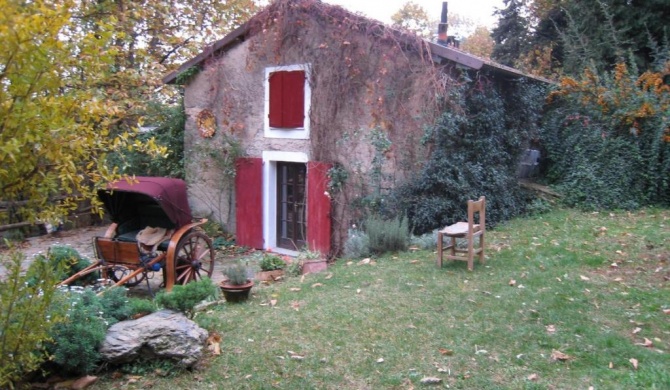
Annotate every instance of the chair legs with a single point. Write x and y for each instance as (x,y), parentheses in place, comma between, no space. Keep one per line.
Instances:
(469,254)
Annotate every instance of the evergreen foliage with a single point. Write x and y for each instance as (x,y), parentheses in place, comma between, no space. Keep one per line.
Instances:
(511,34)
(477,151)
(387,235)
(67,261)
(185,297)
(608,141)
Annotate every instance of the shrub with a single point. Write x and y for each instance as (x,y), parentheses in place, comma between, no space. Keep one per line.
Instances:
(271,262)
(425,241)
(75,341)
(183,298)
(608,141)
(69,262)
(140,306)
(357,244)
(27,315)
(477,146)
(387,235)
(236,274)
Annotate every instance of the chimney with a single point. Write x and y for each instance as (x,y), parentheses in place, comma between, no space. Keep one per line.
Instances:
(442,27)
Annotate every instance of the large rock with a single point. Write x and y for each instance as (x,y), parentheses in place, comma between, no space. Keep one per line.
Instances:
(164,334)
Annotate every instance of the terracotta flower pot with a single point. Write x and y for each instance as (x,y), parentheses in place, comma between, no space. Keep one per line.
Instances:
(314,266)
(269,276)
(236,292)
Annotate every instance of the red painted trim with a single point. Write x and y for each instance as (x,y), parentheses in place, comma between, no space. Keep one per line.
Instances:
(287,99)
(318,207)
(249,202)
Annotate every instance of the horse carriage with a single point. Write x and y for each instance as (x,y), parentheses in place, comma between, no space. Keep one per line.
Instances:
(152,231)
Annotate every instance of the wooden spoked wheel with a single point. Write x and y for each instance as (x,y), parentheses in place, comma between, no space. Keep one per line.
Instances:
(118,272)
(194,258)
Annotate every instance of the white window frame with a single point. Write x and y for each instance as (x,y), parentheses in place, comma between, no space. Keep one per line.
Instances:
(277,132)
(270,159)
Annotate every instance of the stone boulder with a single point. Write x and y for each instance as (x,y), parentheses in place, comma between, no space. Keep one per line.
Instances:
(164,334)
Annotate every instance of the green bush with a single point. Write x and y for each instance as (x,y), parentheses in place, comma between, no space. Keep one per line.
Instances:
(27,315)
(271,262)
(387,235)
(75,342)
(477,144)
(609,149)
(183,298)
(140,306)
(357,244)
(69,262)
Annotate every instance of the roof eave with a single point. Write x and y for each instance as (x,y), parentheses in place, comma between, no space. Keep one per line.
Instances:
(212,49)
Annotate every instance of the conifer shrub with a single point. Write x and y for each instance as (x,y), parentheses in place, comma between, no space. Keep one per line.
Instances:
(184,298)
(68,262)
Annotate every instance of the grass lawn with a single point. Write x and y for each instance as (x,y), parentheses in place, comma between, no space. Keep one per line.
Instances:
(592,286)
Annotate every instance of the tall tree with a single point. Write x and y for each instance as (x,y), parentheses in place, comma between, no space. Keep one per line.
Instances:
(414,18)
(479,42)
(75,80)
(512,33)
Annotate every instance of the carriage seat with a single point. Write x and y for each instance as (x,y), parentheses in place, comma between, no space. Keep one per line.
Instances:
(147,215)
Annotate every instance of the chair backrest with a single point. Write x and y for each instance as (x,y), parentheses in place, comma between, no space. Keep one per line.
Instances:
(477,206)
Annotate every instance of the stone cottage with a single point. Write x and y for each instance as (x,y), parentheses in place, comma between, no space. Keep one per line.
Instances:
(306,114)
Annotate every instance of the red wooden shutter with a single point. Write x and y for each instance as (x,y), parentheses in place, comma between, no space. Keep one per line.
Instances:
(318,207)
(287,99)
(294,99)
(276,84)
(249,202)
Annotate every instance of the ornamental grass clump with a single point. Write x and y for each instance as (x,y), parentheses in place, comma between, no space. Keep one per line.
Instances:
(387,235)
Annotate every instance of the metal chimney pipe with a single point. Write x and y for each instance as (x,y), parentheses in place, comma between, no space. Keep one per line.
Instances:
(442,27)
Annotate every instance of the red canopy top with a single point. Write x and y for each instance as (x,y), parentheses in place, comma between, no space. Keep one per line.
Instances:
(123,198)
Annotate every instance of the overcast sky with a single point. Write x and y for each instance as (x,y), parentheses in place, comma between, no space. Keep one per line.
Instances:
(480,11)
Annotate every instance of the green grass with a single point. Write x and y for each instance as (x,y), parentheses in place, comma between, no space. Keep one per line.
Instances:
(471,329)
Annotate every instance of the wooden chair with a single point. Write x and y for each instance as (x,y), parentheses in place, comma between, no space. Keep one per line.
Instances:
(468,230)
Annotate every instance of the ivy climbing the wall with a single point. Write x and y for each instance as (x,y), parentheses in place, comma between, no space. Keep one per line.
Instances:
(476,143)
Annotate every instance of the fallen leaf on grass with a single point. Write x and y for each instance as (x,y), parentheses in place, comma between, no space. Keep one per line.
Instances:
(430,380)
(512,282)
(364,261)
(380,360)
(273,302)
(558,355)
(294,289)
(414,262)
(637,330)
(647,343)
(551,328)
(666,311)
(317,285)
(533,377)
(330,275)
(582,277)
(296,305)
(633,361)
(446,352)
(611,365)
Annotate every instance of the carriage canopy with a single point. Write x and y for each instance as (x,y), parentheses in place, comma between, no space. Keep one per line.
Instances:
(126,198)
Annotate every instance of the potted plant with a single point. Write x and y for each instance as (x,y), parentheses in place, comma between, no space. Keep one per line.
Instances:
(272,267)
(311,261)
(236,285)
